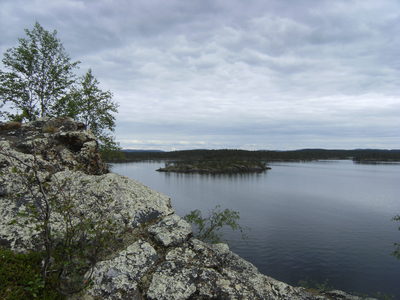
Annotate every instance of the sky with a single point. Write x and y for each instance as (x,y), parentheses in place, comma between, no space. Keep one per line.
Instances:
(248,74)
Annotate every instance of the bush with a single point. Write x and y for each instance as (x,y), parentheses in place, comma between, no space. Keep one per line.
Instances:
(20,277)
(208,229)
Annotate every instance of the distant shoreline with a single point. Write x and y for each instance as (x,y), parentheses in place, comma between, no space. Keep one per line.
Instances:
(357,155)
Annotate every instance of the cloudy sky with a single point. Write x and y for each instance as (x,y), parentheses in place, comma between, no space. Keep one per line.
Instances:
(250,74)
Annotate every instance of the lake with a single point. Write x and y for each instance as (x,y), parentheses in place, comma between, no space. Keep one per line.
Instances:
(314,221)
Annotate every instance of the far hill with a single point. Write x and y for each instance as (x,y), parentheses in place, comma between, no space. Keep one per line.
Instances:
(139,150)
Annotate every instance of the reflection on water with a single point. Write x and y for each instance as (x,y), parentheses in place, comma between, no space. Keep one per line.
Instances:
(313,220)
(234,176)
(373,162)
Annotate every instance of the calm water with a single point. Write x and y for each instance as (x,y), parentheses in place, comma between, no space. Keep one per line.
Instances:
(326,220)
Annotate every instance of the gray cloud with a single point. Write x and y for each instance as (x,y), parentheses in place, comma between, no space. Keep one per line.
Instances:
(246,74)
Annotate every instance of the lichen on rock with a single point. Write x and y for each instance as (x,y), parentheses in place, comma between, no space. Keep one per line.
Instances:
(171,230)
(118,278)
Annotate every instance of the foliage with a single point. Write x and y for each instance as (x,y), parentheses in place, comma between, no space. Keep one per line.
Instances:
(90,105)
(396,252)
(20,277)
(208,228)
(111,152)
(40,74)
(73,240)
(40,82)
(2,113)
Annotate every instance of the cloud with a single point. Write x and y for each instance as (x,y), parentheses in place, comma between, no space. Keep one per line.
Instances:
(259,74)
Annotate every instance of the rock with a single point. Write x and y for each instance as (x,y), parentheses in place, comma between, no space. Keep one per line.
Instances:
(196,270)
(74,140)
(171,281)
(171,230)
(118,278)
(336,294)
(61,143)
(128,202)
(9,126)
(79,168)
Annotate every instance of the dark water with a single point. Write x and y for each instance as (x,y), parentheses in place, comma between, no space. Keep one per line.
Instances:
(316,221)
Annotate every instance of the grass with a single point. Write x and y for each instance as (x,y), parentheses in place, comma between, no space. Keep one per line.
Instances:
(20,277)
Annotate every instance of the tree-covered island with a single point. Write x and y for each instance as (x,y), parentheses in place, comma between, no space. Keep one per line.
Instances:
(215,166)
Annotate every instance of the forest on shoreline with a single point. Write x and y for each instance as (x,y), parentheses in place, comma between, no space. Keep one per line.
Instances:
(357,155)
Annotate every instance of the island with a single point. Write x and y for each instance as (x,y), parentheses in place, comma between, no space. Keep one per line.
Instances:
(224,166)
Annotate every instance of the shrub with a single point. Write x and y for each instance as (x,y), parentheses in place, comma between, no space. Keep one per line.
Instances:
(208,228)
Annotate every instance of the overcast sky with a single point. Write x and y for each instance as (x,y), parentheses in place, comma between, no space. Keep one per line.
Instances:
(250,74)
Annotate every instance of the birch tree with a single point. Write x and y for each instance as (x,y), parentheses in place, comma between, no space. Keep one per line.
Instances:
(38,73)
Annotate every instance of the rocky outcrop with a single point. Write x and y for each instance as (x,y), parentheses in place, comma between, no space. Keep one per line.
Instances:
(66,154)
(60,143)
(159,257)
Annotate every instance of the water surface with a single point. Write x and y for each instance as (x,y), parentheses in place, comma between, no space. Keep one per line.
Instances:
(325,220)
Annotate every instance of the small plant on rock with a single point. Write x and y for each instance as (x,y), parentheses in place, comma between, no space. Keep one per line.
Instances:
(208,228)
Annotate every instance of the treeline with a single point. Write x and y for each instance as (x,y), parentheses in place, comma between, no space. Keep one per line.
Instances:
(358,155)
